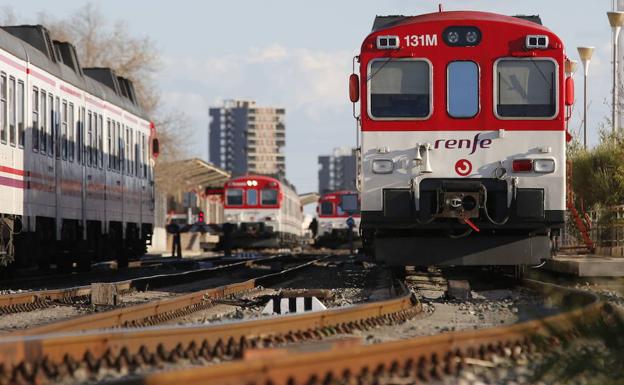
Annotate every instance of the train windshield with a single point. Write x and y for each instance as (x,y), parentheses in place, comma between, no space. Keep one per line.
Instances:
(400,88)
(349,204)
(463,89)
(234,197)
(252,197)
(269,197)
(327,208)
(526,88)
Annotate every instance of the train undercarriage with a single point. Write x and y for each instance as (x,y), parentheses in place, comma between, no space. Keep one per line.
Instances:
(462,223)
(21,248)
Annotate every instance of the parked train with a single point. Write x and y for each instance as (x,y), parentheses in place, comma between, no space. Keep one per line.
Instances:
(463,139)
(76,180)
(262,212)
(333,212)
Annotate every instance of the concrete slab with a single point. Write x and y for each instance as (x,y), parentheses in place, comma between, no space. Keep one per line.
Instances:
(587,265)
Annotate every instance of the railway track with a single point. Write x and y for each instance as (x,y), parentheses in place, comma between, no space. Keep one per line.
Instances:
(39,299)
(40,358)
(419,359)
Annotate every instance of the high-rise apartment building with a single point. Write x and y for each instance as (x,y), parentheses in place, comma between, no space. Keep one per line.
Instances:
(247,139)
(337,171)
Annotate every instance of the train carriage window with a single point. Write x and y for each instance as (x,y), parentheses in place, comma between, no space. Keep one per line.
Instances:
(3,108)
(137,153)
(252,197)
(463,89)
(20,114)
(526,88)
(268,197)
(109,144)
(234,197)
(70,131)
(327,208)
(89,139)
(101,141)
(56,132)
(399,88)
(144,148)
(35,119)
(64,130)
(51,124)
(12,111)
(43,144)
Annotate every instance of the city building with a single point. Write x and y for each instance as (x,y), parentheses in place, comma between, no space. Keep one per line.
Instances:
(337,171)
(247,139)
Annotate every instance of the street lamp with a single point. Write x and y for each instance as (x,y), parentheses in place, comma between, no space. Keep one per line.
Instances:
(616,19)
(585,53)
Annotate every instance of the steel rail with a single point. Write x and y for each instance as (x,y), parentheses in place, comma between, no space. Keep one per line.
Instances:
(421,357)
(27,358)
(155,312)
(28,301)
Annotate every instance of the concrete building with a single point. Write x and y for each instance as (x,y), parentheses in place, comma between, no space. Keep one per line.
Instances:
(247,139)
(337,171)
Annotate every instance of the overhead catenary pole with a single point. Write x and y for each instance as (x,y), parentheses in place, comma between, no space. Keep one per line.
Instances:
(616,20)
(585,54)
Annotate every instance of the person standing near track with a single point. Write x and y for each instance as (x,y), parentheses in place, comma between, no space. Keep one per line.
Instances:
(176,244)
(350,226)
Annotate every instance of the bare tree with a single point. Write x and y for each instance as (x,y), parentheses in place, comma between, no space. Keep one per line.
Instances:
(100,43)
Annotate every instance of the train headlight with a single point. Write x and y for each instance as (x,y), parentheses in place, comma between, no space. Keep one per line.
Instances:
(462,36)
(472,37)
(453,37)
(383,166)
(544,166)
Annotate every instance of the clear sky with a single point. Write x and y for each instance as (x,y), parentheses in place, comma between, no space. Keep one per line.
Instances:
(297,54)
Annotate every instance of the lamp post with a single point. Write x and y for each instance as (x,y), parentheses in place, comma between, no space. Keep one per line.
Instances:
(616,20)
(585,54)
(570,69)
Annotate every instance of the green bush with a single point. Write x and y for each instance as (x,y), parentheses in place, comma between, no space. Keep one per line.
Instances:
(598,174)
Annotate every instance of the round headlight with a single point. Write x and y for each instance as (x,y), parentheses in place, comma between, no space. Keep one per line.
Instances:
(472,37)
(452,37)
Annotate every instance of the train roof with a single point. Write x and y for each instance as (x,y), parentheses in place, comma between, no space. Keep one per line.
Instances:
(32,43)
(384,22)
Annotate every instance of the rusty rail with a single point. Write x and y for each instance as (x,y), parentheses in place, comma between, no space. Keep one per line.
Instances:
(30,358)
(155,312)
(423,357)
(28,301)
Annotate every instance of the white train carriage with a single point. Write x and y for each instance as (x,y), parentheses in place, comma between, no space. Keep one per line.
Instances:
(333,211)
(76,179)
(262,212)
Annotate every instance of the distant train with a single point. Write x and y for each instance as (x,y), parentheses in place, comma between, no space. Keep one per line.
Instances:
(262,212)
(76,157)
(463,139)
(333,211)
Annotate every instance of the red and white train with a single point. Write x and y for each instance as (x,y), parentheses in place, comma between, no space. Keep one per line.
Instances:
(76,179)
(463,139)
(333,211)
(262,212)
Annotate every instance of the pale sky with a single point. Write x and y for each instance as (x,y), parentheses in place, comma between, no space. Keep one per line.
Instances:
(297,54)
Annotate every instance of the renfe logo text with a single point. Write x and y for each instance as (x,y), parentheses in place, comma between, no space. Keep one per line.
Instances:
(468,144)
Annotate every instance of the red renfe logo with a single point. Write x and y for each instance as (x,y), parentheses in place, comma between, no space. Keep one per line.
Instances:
(463,167)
